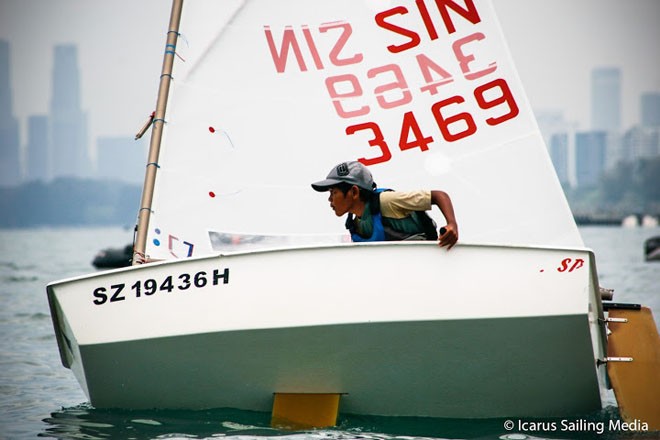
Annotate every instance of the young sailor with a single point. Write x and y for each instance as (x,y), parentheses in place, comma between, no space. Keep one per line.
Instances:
(376,214)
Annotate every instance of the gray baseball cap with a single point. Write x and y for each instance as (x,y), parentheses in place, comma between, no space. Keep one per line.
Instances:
(353,173)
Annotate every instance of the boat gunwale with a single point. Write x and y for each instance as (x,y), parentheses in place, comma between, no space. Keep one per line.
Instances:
(312,247)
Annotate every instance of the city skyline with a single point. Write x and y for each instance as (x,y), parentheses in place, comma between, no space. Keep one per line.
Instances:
(555,45)
(56,142)
(606,84)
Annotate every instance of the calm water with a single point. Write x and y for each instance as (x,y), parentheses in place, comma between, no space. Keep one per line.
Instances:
(40,398)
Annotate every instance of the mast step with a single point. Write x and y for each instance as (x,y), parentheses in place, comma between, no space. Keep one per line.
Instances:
(636,384)
(304,411)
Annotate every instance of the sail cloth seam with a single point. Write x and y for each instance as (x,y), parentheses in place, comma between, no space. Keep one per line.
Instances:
(496,146)
(224,28)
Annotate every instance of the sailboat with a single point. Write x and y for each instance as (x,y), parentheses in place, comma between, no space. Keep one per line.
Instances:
(259,291)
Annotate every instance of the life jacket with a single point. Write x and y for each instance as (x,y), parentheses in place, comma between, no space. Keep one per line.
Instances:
(418,223)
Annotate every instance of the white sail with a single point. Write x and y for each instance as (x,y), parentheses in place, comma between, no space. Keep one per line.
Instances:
(272,94)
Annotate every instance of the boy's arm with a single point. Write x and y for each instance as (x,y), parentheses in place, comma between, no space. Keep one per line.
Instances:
(442,200)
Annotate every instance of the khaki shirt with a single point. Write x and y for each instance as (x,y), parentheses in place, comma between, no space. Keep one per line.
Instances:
(399,204)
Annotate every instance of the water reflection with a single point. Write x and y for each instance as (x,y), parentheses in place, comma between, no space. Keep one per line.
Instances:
(85,422)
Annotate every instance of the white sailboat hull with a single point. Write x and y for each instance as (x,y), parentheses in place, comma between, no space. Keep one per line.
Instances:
(402,329)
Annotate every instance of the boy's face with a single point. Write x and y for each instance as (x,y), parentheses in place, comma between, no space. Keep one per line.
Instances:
(342,203)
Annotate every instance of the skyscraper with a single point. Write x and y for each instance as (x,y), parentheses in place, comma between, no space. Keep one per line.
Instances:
(641,143)
(10,164)
(606,99)
(650,109)
(559,153)
(70,156)
(590,149)
(37,151)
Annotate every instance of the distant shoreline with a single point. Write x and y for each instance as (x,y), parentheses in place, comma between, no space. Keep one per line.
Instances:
(76,202)
(69,201)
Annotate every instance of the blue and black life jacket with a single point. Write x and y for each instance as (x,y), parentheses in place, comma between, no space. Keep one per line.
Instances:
(418,223)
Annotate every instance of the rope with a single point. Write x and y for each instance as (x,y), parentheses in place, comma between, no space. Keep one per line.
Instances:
(170,49)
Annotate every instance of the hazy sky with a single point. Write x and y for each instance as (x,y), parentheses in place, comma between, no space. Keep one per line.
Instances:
(555,44)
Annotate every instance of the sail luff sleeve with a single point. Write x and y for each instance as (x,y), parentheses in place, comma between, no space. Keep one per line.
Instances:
(157,130)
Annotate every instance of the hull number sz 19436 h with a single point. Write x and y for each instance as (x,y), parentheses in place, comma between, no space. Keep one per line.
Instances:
(143,288)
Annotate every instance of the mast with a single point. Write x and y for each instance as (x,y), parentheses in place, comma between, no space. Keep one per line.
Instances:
(157,130)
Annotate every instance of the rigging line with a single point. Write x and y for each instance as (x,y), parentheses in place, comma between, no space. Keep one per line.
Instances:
(223,132)
(180,35)
(172,51)
(185,39)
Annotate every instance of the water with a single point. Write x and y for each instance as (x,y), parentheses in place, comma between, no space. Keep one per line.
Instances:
(40,398)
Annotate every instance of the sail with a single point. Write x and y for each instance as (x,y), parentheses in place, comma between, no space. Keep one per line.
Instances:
(273,93)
